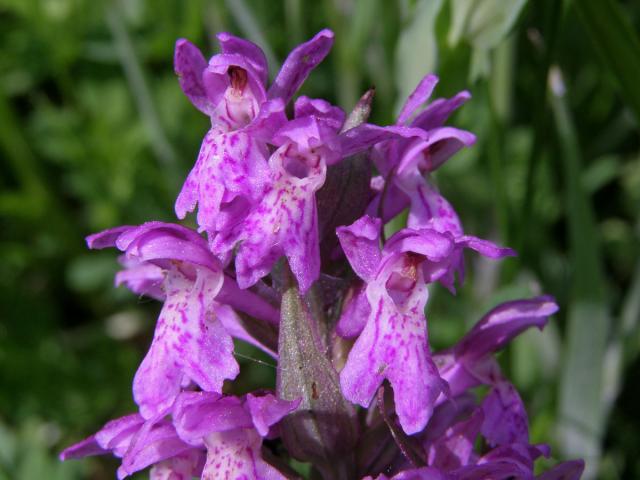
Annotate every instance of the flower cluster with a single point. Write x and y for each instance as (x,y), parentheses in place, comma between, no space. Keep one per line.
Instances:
(289,256)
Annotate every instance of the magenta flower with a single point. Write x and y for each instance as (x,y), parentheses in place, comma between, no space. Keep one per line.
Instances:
(231,171)
(192,341)
(393,343)
(143,444)
(231,429)
(285,222)
(259,182)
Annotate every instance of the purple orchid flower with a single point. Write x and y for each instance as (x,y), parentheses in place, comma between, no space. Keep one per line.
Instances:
(231,171)
(192,341)
(142,443)
(393,342)
(232,430)
(257,184)
(285,222)
(405,160)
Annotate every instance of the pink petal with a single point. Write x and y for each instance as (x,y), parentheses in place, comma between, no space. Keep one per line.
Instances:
(299,64)
(420,95)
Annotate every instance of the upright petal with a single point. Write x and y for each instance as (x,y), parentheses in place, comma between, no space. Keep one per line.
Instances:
(252,53)
(333,116)
(189,65)
(230,173)
(299,64)
(438,111)
(420,95)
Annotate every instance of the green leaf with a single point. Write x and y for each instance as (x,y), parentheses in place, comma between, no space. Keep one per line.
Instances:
(617,43)
(483,24)
(582,408)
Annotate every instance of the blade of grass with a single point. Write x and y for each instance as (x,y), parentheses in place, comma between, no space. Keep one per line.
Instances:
(617,44)
(581,416)
(539,120)
(139,88)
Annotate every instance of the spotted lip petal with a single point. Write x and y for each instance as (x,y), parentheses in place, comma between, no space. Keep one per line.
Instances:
(285,221)
(189,343)
(232,430)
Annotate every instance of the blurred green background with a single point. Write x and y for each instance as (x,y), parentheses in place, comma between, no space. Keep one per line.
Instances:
(95,132)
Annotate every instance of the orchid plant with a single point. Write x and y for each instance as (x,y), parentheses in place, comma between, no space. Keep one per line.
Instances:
(291,258)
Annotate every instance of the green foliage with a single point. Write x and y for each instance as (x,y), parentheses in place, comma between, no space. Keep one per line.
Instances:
(95,132)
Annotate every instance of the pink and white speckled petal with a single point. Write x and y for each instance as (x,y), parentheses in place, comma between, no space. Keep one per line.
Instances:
(394,345)
(284,223)
(236,454)
(189,342)
(302,59)
(231,168)
(420,95)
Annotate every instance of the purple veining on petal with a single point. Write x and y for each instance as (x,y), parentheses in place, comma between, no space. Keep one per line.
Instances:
(231,430)
(505,419)
(394,345)
(188,341)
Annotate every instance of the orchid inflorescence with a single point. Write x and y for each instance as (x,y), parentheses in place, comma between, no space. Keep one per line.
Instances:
(294,262)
